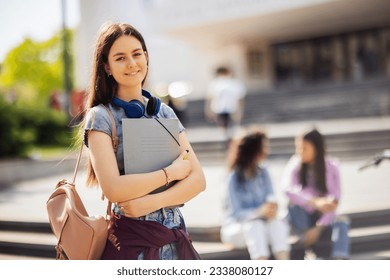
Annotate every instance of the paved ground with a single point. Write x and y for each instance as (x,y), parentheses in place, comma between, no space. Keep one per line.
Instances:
(362,191)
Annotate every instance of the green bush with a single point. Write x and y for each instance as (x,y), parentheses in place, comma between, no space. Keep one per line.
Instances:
(25,126)
(15,140)
(50,126)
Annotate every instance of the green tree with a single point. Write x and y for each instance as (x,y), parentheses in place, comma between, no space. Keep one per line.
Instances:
(36,68)
(32,71)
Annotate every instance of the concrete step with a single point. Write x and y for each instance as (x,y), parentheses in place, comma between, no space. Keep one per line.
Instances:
(336,143)
(365,245)
(28,249)
(222,253)
(369,219)
(12,257)
(372,255)
(218,251)
(350,145)
(28,237)
(369,234)
(211,234)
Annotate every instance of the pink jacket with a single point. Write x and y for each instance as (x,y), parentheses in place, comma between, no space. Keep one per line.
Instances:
(301,196)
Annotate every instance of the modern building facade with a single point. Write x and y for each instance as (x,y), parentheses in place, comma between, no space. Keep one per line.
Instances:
(267,43)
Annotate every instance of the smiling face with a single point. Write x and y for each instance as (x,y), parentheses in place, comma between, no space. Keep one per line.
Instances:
(305,150)
(128,64)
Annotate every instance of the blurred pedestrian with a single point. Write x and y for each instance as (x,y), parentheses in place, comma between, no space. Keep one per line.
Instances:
(144,225)
(312,184)
(225,101)
(179,106)
(55,102)
(251,209)
(77,105)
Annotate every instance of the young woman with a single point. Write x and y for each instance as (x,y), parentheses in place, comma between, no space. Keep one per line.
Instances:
(312,184)
(251,208)
(144,226)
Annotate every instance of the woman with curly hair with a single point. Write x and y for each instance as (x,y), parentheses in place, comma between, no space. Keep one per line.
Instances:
(251,209)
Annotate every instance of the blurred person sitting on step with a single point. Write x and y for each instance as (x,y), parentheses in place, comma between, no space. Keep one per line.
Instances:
(251,208)
(312,184)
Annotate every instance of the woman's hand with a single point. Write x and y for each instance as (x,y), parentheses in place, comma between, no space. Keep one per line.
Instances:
(188,172)
(138,207)
(324,204)
(178,170)
(268,210)
(180,167)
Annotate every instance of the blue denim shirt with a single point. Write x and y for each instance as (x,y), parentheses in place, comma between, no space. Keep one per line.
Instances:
(243,198)
(98,119)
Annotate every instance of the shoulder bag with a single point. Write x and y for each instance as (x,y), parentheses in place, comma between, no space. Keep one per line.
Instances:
(80,236)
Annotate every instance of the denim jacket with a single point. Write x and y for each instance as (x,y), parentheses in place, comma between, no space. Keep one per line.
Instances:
(243,198)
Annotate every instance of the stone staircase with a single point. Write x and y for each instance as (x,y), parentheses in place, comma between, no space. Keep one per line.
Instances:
(369,234)
(347,145)
(349,100)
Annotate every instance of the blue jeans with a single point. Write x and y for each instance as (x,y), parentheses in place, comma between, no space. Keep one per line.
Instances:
(300,221)
(340,239)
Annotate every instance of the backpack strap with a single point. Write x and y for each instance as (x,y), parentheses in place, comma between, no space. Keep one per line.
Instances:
(73,182)
(115,142)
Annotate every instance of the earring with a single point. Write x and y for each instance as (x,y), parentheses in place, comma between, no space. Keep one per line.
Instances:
(108,74)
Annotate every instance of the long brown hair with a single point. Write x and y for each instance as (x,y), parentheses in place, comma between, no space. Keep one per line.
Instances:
(103,87)
(245,152)
(315,137)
